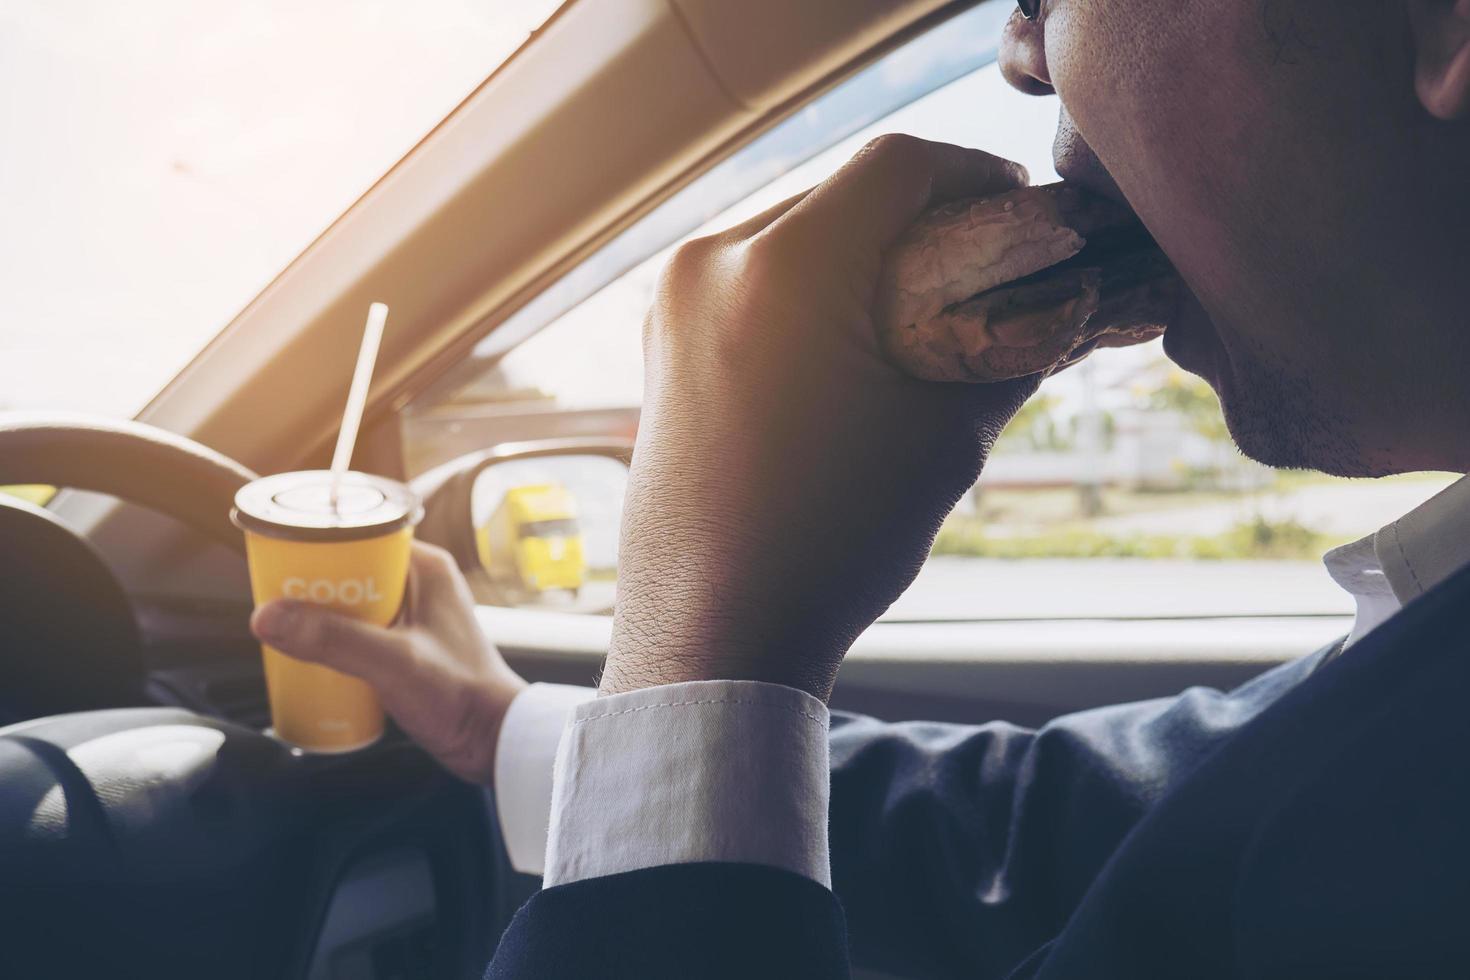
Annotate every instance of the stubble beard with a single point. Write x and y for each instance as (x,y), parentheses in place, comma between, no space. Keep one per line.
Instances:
(1280,417)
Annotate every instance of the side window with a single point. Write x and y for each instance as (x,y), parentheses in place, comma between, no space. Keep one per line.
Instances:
(1115,493)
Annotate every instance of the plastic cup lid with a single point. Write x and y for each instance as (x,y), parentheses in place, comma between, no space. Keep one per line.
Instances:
(298,506)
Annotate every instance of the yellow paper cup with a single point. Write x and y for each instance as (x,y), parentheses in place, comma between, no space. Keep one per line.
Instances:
(351,556)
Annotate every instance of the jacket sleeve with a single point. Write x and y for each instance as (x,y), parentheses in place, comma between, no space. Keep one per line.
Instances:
(956,851)
(684,921)
(962,850)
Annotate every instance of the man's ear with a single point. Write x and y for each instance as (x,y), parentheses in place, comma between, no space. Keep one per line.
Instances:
(1442,56)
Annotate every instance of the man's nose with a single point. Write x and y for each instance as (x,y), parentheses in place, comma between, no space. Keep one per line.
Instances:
(1023,55)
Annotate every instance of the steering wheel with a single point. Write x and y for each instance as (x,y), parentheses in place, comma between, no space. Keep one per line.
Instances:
(153,841)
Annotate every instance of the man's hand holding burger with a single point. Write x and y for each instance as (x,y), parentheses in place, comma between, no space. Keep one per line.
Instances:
(788,480)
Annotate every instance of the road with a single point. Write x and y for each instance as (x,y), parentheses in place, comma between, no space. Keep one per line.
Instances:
(985,588)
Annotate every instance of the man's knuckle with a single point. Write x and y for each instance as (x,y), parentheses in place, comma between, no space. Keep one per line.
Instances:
(395,654)
(303,635)
(432,552)
(690,258)
(761,261)
(330,638)
(425,556)
(682,272)
(464,737)
(899,149)
(442,562)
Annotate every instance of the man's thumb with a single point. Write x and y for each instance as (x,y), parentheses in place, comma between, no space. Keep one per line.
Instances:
(310,632)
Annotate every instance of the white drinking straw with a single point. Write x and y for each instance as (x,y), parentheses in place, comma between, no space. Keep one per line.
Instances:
(362,377)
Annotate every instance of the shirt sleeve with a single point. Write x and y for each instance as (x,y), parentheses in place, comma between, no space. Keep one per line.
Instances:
(721,771)
(524,756)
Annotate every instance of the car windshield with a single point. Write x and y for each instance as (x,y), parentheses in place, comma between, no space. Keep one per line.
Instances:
(1116,493)
(164,161)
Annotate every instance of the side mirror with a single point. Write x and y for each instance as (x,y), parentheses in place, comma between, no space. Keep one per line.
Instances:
(532,524)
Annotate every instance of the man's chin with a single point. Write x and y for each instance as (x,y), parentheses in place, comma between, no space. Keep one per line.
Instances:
(1275,417)
(1271,408)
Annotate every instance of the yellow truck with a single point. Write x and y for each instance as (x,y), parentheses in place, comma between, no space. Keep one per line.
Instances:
(532,542)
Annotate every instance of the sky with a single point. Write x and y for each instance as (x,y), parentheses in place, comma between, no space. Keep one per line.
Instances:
(163,159)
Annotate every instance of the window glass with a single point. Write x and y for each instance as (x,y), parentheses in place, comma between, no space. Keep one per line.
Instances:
(163,161)
(1115,493)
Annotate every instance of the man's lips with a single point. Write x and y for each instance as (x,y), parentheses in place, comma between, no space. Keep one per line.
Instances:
(1079,166)
(1076,164)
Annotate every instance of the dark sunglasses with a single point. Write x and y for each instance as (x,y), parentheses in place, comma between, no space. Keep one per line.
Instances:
(1029,8)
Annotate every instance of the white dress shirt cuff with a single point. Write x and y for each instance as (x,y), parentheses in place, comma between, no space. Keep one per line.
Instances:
(730,771)
(524,757)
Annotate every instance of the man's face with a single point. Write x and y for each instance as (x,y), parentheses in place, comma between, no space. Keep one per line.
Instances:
(1278,153)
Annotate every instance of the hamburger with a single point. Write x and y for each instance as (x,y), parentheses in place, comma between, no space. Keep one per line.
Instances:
(1021,283)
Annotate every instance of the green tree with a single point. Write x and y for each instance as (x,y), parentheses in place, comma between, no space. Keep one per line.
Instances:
(1195,401)
(1034,428)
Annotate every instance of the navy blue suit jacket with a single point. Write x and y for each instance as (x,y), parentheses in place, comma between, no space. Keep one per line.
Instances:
(1313,823)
